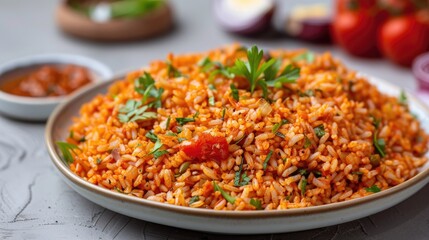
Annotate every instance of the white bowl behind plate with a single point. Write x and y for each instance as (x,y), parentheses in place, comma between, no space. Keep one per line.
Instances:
(236,222)
(31,108)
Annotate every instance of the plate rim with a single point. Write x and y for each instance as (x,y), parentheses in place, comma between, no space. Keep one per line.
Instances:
(66,172)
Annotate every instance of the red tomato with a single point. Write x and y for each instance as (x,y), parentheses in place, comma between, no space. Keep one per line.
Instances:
(402,39)
(356,32)
(207,147)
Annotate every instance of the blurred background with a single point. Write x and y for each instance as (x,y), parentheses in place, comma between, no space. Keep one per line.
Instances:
(33,27)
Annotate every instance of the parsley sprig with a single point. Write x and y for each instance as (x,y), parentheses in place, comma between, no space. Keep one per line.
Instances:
(145,85)
(67,149)
(156,150)
(241,179)
(225,195)
(133,111)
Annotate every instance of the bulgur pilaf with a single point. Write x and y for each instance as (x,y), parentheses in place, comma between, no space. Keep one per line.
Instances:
(193,131)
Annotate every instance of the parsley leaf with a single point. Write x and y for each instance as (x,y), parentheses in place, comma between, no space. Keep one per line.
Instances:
(251,69)
(223,113)
(303,185)
(234,92)
(307,142)
(183,168)
(194,199)
(172,71)
(241,179)
(278,125)
(265,164)
(320,131)
(145,85)
(279,134)
(167,124)
(216,68)
(225,195)
(211,101)
(133,111)
(256,203)
(373,189)
(151,136)
(289,75)
(183,121)
(380,145)
(403,98)
(66,149)
(156,149)
(375,121)
(307,56)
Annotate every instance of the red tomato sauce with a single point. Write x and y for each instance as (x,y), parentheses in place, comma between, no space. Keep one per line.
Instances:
(207,147)
(49,81)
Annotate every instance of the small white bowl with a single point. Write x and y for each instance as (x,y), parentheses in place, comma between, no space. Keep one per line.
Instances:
(39,109)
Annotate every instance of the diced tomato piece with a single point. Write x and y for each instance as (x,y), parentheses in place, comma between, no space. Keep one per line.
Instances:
(207,147)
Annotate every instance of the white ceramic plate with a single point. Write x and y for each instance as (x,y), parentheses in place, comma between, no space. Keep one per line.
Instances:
(236,222)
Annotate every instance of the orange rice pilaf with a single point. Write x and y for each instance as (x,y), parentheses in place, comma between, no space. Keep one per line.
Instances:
(329,137)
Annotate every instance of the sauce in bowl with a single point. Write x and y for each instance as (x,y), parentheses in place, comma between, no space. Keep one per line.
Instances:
(48,81)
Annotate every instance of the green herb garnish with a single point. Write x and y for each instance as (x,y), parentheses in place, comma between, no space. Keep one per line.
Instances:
(151,136)
(180,140)
(215,68)
(375,159)
(156,150)
(183,121)
(375,121)
(252,69)
(145,85)
(66,149)
(82,139)
(403,98)
(307,142)
(167,124)
(320,131)
(71,134)
(279,134)
(183,168)
(223,113)
(225,195)
(308,56)
(380,145)
(212,87)
(133,111)
(211,101)
(194,199)
(256,203)
(303,185)
(234,92)
(241,179)
(278,125)
(172,71)
(288,75)
(99,160)
(265,164)
(373,189)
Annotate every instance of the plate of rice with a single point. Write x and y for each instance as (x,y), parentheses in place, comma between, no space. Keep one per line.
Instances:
(238,140)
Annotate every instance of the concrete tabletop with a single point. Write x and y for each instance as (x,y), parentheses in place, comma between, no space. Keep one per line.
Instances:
(36,204)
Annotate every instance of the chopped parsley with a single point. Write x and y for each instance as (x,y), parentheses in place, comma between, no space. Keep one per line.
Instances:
(278,125)
(156,150)
(234,92)
(307,142)
(225,195)
(82,139)
(403,98)
(373,189)
(375,159)
(223,113)
(211,101)
(172,71)
(151,136)
(180,140)
(99,160)
(133,111)
(375,121)
(303,172)
(183,121)
(145,85)
(303,185)
(241,179)
(289,75)
(66,149)
(194,199)
(167,124)
(308,56)
(212,87)
(71,134)
(320,131)
(183,168)
(380,145)
(216,68)
(256,203)
(265,164)
(279,134)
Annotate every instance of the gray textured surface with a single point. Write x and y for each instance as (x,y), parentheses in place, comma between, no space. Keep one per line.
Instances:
(36,204)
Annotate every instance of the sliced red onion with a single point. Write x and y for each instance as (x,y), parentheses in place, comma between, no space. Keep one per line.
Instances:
(310,23)
(421,71)
(244,16)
